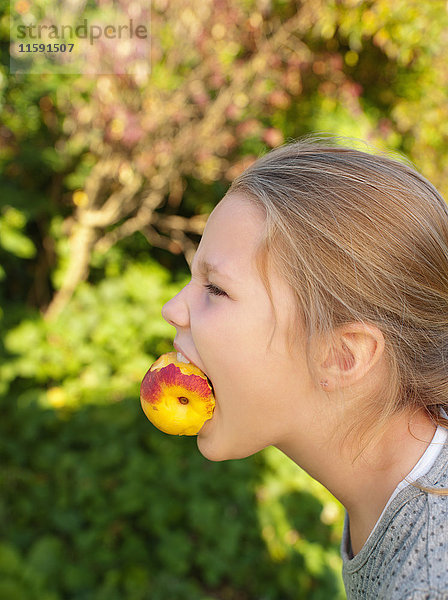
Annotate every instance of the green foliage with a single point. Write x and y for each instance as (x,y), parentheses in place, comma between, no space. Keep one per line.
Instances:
(95,503)
(101,505)
(99,348)
(12,238)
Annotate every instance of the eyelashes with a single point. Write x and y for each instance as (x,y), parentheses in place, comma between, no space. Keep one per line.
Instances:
(215,291)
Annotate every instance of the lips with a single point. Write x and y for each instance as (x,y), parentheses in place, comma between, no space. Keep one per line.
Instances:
(179,349)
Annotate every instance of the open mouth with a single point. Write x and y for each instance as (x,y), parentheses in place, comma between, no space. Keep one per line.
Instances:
(182,358)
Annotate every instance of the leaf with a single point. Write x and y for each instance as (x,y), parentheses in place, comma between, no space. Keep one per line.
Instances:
(12,240)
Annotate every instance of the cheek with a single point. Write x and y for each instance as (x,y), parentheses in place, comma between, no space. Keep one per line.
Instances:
(256,406)
(245,422)
(214,330)
(252,396)
(231,338)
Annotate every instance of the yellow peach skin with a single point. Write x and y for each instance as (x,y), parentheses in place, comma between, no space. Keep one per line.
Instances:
(176,397)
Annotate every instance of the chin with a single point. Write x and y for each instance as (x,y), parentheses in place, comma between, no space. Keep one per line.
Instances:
(211,450)
(211,453)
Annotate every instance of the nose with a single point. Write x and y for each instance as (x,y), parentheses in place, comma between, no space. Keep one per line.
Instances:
(175,311)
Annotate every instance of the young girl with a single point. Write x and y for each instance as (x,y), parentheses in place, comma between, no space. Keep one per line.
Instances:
(318,308)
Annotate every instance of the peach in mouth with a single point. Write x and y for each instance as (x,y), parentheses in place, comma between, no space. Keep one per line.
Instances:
(176,396)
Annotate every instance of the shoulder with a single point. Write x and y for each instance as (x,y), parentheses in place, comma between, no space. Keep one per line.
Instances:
(421,532)
(407,552)
(406,556)
(418,534)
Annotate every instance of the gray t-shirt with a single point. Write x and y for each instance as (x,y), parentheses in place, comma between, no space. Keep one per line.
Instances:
(406,556)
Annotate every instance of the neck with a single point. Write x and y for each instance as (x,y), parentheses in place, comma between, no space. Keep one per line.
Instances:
(365,485)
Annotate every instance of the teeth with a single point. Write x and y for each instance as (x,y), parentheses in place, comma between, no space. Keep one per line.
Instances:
(181,358)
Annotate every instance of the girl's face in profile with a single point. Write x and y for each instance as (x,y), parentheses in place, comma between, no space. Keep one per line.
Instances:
(224,321)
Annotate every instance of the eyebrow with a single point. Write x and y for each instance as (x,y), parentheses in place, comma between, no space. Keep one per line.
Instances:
(205,267)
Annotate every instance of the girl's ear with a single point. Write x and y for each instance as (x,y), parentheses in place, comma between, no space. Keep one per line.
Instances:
(353,352)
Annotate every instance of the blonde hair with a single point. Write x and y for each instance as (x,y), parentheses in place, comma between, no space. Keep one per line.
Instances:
(360,237)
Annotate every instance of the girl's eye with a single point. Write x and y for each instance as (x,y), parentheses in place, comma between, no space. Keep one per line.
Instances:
(216,291)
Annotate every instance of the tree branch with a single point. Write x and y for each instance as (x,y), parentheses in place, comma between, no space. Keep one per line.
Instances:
(81,243)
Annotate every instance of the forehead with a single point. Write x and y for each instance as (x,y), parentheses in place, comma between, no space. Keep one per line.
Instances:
(231,237)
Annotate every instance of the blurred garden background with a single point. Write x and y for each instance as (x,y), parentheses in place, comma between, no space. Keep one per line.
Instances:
(105,186)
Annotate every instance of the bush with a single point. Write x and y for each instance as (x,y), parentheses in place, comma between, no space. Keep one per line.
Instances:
(99,348)
(101,505)
(97,504)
